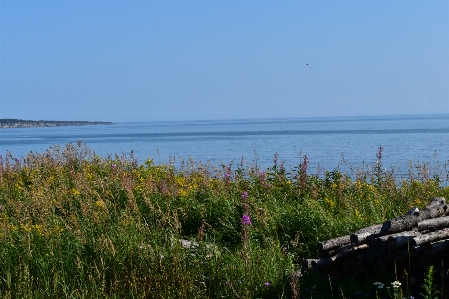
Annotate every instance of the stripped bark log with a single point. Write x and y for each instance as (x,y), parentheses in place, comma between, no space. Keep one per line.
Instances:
(328,253)
(333,243)
(329,261)
(436,201)
(361,235)
(409,221)
(438,247)
(389,240)
(401,239)
(430,237)
(435,223)
(307,264)
(417,250)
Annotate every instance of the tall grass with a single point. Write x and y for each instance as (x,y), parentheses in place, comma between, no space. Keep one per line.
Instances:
(76,225)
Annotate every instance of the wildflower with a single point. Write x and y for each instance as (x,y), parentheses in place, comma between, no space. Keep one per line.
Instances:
(267,283)
(244,195)
(329,202)
(396,284)
(246,220)
(379,285)
(75,192)
(113,166)
(100,204)
(227,176)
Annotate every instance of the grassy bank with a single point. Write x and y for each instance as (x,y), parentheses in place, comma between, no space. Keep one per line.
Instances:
(75,225)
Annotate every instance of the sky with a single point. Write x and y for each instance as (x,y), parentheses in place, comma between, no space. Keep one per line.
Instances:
(123,61)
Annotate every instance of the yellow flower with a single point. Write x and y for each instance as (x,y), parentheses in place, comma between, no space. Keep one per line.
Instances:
(37,228)
(89,176)
(56,230)
(181,181)
(26,227)
(75,192)
(13,227)
(330,202)
(357,213)
(100,204)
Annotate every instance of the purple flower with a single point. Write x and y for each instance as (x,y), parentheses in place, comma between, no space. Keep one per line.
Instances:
(244,195)
(113,166)
(227,176)
(246,220)
(267,283)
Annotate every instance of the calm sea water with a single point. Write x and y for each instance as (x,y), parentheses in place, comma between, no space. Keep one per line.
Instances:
(326,141)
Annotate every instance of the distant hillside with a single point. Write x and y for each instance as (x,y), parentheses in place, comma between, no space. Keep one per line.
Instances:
(20,123)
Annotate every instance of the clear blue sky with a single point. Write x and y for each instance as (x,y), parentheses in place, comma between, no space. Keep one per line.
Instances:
(193,60)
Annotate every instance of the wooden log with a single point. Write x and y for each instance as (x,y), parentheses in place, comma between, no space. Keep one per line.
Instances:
(335,251)
(404,254)
(436,201)
(382,241)
(401,255)
(361,235)
(407,222)
(330,261)
(430,237)
(333,243)
(307,264)
(401,239)
(438,247)
(361,262)
(434,223)
(417,250)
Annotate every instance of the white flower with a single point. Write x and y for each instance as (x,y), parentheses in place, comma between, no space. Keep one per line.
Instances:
(396,284)
(379,285)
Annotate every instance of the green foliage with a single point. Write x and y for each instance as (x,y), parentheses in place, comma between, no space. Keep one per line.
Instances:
(73,224)
(429,288)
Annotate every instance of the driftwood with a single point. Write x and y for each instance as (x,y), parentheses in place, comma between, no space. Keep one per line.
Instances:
(409,221)
(435,223)
(361,235)
(401,239)
(437,247)
(430,237)
(334,251)
(330,261)
(418,238)
(333,243)
(307,264)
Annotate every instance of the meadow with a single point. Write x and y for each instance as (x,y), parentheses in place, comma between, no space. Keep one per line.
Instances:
(77,225)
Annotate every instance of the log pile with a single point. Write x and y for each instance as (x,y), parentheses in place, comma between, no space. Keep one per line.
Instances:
(417,239)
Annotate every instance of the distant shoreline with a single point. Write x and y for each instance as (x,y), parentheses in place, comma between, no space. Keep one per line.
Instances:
(8,123)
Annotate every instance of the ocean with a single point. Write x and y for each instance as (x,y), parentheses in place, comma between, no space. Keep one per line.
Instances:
(329,143)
